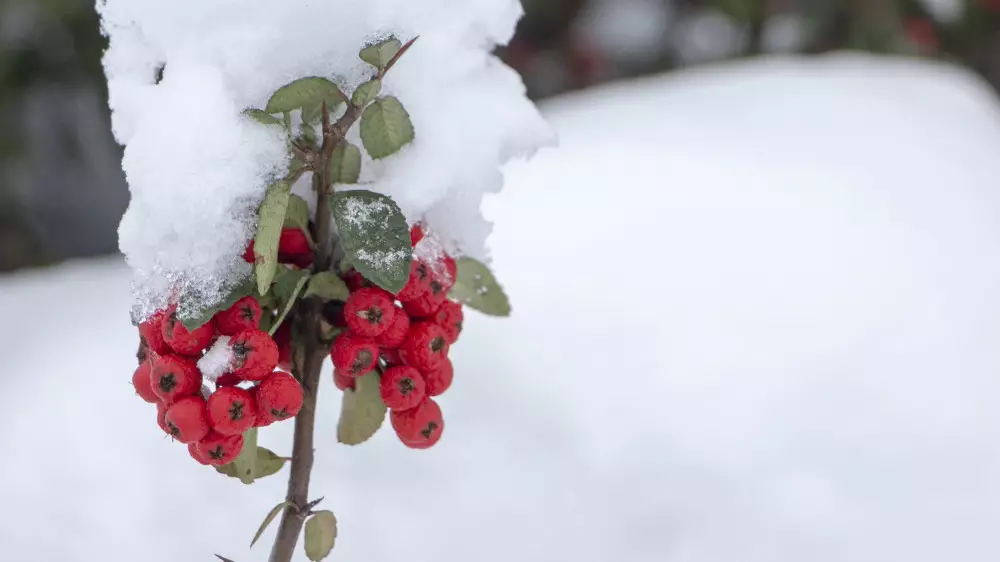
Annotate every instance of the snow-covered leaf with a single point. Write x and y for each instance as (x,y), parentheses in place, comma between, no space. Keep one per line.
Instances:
(271,220)
(345,163)
(362,412)
(327,286)
(304,92)
(267,520)
(366,92)
(261,117)
(297,214)
(379,54)
(321,533)
(287,289)
(385,127)
(198,319)
(477,288)
(375,237)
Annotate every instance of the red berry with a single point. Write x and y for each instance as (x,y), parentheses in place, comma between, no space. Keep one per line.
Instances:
(425,348)
(220,449)
(445,272)
(255,355)
(419,427)
(262,419)
(161,412)
(402,388)
(439,380)
(343,380)
(198,455)
(243,315)
(419,282)
(450,317)
(151,332)
(396,333)
(142,380)
(416,234)
(279,396)
(391,356)
(283,339)
(426,306)
(183,341)
(231,410)
(355,280)
(187,419)
(369,312)
(173,377)
(354,354)
(294,248)
(248,253)
(227,379)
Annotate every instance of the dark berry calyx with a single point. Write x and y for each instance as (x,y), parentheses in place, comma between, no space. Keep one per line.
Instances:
(174,430)
(373,315)
(428,431)
(362,362)
(246,312)
(279,414)
(406,386)
(437,344)
(167,382)
(436,287)
(217,453)
(236,411)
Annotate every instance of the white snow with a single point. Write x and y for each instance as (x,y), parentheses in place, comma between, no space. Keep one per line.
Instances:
(197,171)
(755,319)
(218,360)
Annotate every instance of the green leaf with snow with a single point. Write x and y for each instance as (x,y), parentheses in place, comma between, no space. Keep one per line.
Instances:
(366,92)
(328,287)
(287,289)
(201,317)
(385,127)
(375,237)
(261,117)
(267,520)
(271,220)
(379,54)
(477,288)
(321,533)
(362,412)
(345,163)
(310,92)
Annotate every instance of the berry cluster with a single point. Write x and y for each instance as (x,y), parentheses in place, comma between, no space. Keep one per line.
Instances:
(407,339)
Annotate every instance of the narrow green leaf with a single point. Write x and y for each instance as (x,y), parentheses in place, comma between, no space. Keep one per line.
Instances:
(345,163)
(362,412)
(223,558)
(321,533)
(261,117)
(272,217)
(385,127)
(379,54)
(375,237)
(304,92)
(366,92)
(287,289)
(477,288)
(267,520)
(201,317)
(297,214)
(327,286)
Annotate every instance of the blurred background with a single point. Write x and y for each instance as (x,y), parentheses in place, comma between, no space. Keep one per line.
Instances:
(62,191)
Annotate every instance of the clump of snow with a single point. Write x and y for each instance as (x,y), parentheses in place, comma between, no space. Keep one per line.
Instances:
(218,360)
(197,170)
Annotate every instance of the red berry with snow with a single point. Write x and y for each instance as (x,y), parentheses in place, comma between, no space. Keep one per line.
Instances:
(231,410)
(197,455)
(173,377)
(187,420)
(439,380)
(294,248)
(416,234)
(255,355)
(279,396)
(450,318)
(426,306)
(248,255)
(142,380)
(369,312)
(419,282)
(354,354)
(402,388)
(419,427)
(184,341)
(343,379)
(396,333)
(426,347)
(227,379)
(243,315)
(220,449)
(151,332)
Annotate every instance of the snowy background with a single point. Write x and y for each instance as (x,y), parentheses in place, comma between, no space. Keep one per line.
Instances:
(756,315)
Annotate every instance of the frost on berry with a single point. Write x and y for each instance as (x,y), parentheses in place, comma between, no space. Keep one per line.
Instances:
(402,388)
(243,315)
(187,420)
(418,283)
(218,360)
(151,332)
(426,347)
(439,380)
(231,410)
(354,354)
(369,312)
(416,234)
(396,333)
(420,427)
(279,396)
(174,377)
(255,355)
(450,317)
(142,380)
(183,341)
(220,449)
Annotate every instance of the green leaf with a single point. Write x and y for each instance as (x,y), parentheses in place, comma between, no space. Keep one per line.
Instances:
(385,127)
(375,237)
(345,163)
(272,217)
(201,317)
(321,533)
(327,286)
(477,288)
(261,117)
(297,214)
(246,463)
(268,463)
(366,92)
(313,114)
(379,54)
(304,92)
(287,289)
(362,412)
(223,558)
(267,520)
